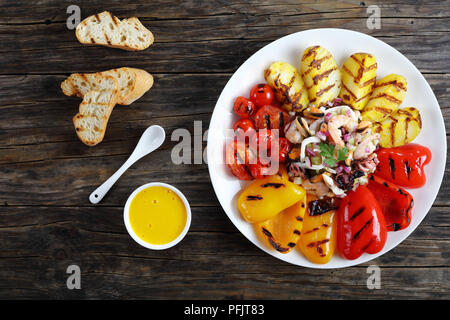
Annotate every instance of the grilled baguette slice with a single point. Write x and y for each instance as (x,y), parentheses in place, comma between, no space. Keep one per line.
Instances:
(132,83)
(399,128)
(288,86)
(358,79)
(108,30)
(321,75)
(386,97)
(91,120)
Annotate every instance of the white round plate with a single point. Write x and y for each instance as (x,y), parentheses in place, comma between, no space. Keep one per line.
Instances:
(341,43)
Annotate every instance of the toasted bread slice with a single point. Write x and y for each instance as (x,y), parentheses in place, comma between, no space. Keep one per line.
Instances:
(79,84)
(132,83)
(92,118)
(108,30)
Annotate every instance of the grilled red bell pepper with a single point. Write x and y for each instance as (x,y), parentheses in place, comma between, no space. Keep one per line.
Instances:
(361,224)
(403,165)
(395,203)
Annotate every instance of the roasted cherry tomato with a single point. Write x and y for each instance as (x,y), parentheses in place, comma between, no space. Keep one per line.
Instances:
(245,126)
(261,94)
(282,146)
(271,117)
(262,140)
(236,156)
(361,224)
(260,170)
(243,107)
(403,165)
(395,202)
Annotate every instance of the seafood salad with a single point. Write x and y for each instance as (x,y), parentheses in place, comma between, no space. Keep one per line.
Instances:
(333,150)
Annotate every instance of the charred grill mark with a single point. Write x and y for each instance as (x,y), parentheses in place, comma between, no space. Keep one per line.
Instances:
(357,234)
(387,97)
(407,169)
(281,120)
(396,226)
(319,77)
(325,225)
(317,244)
(251,198)
(97,17)
(393,124)
(112,18)
(392,167)
(272,185)
(312,230)
(317,63)
(267,118)
(303,205)
(324,90)
(385,111)
(291,244)
(367,245)
(368,82)
(299,218)
(348,90)
(266,232)
(311,51)
(296,232)
(277,246)
(107,39)
(398,85)
(385,184)
(357,213)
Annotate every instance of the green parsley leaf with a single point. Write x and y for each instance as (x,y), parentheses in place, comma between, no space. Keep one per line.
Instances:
(342,154)
(327,152)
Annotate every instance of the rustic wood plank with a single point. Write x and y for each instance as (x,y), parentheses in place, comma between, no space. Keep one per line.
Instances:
(185,57)
(96,240)
(23,11)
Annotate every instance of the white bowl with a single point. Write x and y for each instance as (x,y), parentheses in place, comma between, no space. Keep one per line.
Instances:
(126,217)
(341,43)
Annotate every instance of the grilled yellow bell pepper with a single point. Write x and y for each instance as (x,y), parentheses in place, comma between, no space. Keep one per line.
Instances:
(282,232)
(318,239)
(265,198)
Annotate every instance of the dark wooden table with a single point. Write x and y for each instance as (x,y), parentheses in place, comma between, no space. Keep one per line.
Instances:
(47,174)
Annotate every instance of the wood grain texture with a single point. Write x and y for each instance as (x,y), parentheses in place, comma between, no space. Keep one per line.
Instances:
(46,174)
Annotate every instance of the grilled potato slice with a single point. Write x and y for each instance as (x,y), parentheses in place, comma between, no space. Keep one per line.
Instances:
(288,86)
(358,79)
(321,75)
(386,97)
(399,128)
(282,232)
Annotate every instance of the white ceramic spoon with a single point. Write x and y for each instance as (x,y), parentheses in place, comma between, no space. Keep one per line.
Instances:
(151,139)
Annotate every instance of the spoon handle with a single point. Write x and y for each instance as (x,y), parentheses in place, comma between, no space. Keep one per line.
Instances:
(101,191)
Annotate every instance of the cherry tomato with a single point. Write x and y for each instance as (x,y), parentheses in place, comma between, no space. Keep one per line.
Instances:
(245,126)
(260,170)
(282,146)
(236,155)
(261,94)
(243,107)
(262,140)
(271,117)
